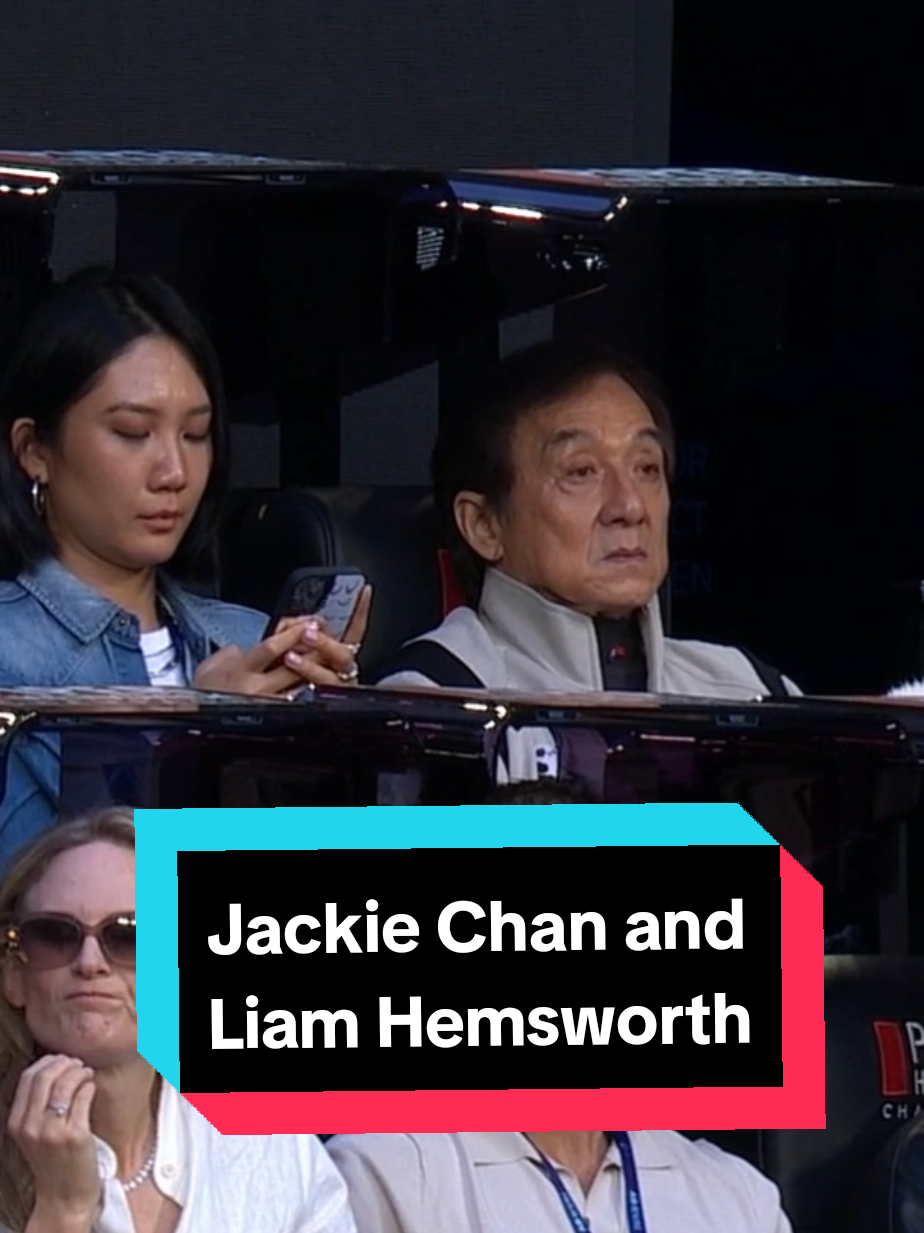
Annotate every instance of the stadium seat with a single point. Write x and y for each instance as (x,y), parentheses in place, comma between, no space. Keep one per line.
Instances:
(837,1180)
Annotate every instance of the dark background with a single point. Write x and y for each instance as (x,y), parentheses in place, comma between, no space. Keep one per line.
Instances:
(408,83)
(810,377)
(614,882)
(831,87)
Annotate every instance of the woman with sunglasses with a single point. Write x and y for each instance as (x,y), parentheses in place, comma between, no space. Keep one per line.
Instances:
(92,1140)
(113,470)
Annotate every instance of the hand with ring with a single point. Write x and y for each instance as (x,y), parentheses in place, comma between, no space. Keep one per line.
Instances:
(49,1122)
(297,655)
(326,661)
(352,676)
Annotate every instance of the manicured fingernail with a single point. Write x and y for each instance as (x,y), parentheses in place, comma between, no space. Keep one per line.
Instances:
(311,631)
(293,657)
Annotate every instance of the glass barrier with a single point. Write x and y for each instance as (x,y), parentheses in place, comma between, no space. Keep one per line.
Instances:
(839,786)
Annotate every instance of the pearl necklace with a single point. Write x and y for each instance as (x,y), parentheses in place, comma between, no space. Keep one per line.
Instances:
(144,1172)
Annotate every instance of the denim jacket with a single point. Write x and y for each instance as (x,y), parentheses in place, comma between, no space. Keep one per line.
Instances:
(55,631)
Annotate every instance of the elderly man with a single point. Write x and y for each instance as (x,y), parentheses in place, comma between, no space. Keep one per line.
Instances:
(555,487)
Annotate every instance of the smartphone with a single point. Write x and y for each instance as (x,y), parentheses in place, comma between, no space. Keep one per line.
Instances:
(331,593)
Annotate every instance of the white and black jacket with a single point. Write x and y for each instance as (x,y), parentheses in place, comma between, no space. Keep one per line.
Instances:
(519,640)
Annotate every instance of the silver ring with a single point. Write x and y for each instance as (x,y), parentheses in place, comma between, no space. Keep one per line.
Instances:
(353,647)
(58,1109)
(349,678)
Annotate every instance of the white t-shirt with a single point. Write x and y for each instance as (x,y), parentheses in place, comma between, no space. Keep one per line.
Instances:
(161,658)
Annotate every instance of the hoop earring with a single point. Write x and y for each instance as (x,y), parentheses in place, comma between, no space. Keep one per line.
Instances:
(38,498)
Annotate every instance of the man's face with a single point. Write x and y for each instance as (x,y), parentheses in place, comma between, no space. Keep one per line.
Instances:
(586,521)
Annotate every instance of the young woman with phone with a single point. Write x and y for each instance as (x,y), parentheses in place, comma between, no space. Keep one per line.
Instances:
(113,469)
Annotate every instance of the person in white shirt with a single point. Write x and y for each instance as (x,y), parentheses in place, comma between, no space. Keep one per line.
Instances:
(92,1139)
(650,1181)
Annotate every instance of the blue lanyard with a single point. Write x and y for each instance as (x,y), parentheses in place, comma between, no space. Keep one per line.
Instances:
(634,1212)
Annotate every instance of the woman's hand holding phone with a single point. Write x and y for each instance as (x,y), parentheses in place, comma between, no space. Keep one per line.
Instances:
(325,661)
(298,653)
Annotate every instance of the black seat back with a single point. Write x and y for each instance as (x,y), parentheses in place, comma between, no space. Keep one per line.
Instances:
(874,1012)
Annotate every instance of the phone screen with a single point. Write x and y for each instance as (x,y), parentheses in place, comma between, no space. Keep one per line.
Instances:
(309,595)
(331,594)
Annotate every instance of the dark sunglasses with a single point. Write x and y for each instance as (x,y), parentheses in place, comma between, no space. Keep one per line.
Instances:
(54,940)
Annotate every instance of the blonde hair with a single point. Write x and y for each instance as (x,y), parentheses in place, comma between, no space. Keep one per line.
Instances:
(17,1048)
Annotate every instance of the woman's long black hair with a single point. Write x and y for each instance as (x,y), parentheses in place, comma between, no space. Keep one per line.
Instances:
(84,325)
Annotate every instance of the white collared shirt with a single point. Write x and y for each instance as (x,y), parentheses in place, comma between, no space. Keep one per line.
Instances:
(231,1183)
(491,1182)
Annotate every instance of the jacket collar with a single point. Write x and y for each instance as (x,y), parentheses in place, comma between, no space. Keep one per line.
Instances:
(87,615)
(565,639)
(82,611)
